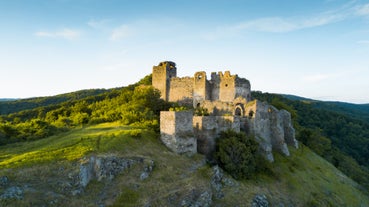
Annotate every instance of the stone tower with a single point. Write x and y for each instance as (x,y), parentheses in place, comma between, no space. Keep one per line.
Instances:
(161,76)
(227,92)
(200,88)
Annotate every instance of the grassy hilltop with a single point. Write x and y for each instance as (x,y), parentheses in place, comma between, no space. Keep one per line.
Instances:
(102,148)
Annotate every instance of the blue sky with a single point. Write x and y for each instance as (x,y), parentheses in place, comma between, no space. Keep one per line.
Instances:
(315,49)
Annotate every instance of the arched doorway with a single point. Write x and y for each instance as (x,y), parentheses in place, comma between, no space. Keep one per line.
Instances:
(239,111)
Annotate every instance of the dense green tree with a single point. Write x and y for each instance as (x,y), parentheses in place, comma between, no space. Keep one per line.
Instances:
(236,154)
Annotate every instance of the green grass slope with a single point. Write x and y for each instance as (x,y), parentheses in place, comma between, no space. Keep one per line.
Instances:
(44,170)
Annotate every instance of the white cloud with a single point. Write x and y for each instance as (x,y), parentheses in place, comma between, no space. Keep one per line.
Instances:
(69,34)
(317,77)
(362,10)
(363,42)
(121,32)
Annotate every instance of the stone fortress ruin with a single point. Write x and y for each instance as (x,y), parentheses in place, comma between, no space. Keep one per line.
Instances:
(227,99)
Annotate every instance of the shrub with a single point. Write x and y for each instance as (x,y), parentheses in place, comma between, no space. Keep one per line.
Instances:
(236,154)
(201,111)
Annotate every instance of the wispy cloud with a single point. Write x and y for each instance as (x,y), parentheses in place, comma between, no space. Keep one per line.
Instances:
(280,25)
(121,32)
(69,34)
(290,24)
(320,77)
(98,24)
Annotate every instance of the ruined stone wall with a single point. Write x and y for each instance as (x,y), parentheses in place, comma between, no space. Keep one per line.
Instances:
(176,131)
(181,90)
(243,88)
(207,129)
(271,127)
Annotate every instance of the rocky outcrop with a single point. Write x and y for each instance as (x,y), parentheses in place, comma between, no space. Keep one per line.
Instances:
(108,167)
(260,201)
(289,131)
(4,181)
(220,180)
(197,199)
(272,128)
(13,192)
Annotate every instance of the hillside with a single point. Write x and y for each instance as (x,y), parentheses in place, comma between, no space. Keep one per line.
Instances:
(156,176)
(7,99)
(96,149)
(357,111)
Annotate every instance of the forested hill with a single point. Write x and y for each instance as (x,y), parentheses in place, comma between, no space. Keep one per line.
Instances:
(330,130)
(357,111)
(8,106)
(7,99)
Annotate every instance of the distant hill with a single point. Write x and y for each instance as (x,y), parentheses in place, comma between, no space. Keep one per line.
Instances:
(8,106)
(357,111)
(8,99)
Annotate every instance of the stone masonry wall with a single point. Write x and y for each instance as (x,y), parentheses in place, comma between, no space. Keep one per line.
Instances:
(176,131)
(218,108)
(227,87)
(181,90)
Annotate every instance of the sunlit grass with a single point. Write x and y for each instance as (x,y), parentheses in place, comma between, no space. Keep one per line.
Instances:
(68,146)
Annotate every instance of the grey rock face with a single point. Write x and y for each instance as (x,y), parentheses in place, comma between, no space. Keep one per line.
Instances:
(204,200)
(4,181)
(197,199)
(108,167)
(289,131)
(13,192)
(260,201)
(216,182)
(149,166)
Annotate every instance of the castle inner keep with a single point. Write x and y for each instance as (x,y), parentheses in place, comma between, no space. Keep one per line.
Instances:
(228,100)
